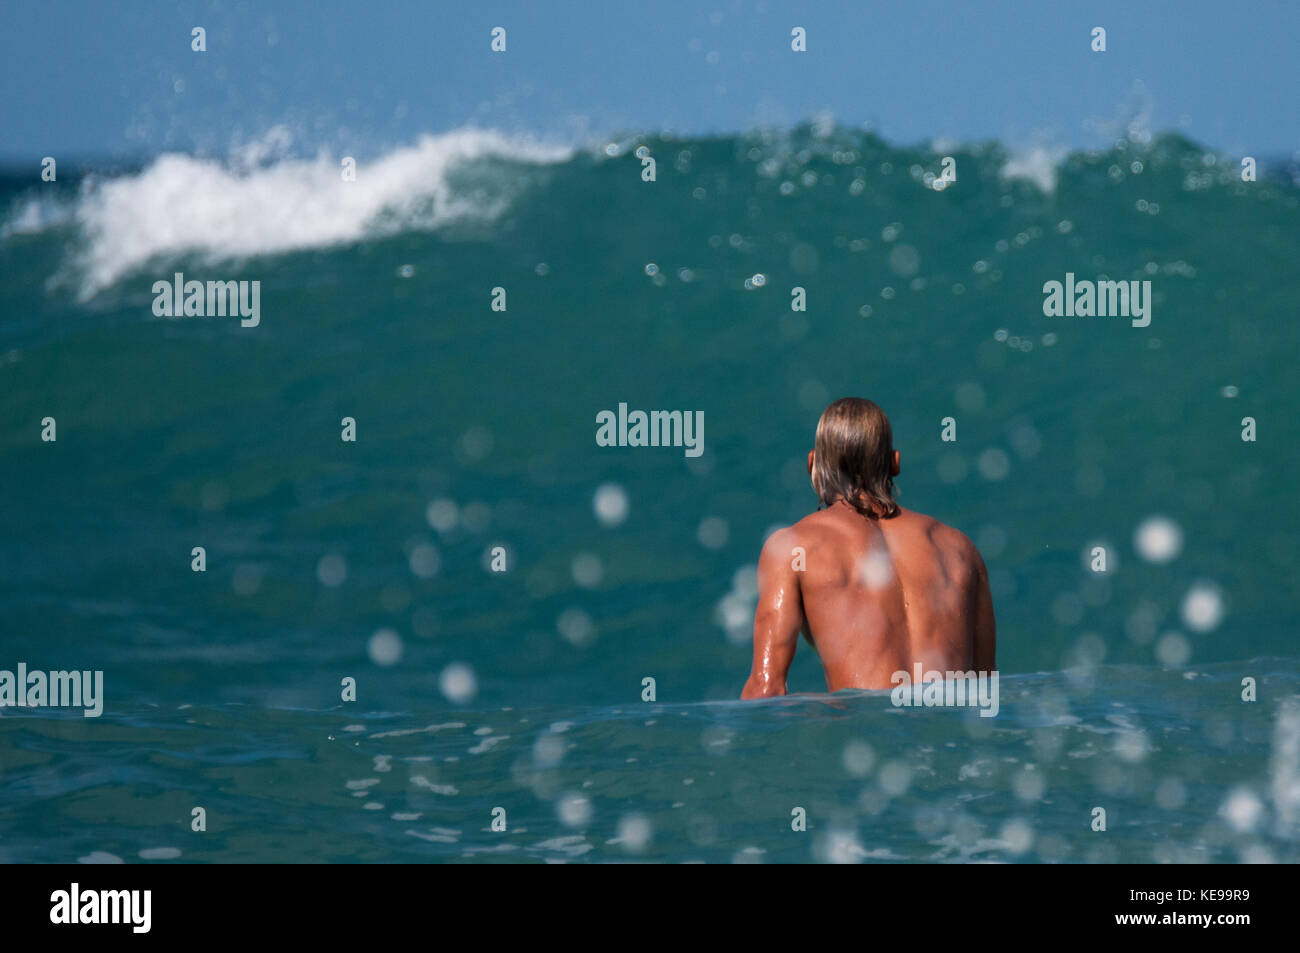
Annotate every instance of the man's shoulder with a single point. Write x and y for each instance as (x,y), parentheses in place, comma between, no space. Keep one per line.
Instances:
(816,525)
(783,538)
(827,526)
(947,537)
(807,530)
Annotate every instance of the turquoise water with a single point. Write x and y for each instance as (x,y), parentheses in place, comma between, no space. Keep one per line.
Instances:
(1185,772)
(371,559)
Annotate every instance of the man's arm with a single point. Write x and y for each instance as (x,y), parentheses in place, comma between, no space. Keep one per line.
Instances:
(778,618)
(985,627)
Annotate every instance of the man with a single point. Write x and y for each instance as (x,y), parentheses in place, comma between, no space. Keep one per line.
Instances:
(874,588)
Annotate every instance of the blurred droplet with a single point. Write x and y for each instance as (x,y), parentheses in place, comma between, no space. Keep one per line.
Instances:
(424,561)
(1158,539)
(858,758)
(1173,650)
(634,832)
(994,464)
(458,683)
(443,515)
(1242,809)
(1018,835)
(904,260)
(574,810)
(576,627)
(712,532)
(610,504)
(332,570)
(587,570)
(1202,607)
(385,647)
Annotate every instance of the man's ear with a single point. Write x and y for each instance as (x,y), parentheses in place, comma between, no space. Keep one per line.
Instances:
(895,465)
(810,461)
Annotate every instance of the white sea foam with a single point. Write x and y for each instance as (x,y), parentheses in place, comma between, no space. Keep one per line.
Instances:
(249,206)
(1038,166)
(35,215)
(1284,768)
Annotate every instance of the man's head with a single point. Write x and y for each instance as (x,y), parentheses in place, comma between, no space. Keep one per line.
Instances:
(853,458)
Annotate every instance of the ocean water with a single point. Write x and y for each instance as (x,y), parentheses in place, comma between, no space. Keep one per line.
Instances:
(475,434)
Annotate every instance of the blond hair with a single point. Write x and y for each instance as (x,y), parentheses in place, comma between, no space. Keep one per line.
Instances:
(853,458)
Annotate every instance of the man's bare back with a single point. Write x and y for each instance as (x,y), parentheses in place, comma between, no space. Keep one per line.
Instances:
(874,596)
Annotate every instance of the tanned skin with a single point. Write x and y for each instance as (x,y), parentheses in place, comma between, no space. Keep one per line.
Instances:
(874,597)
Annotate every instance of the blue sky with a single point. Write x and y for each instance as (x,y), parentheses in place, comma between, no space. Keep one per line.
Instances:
(90,79)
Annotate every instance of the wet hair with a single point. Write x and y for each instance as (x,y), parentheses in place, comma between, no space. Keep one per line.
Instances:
(852,458)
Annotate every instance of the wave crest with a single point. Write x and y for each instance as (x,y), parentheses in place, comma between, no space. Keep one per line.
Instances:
(224,211)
